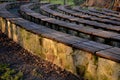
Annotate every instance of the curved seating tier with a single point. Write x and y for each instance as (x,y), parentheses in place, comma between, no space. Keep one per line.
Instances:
(78,9)
(67,18)
(105,13)
(76,14)
(60,48)
(111,11)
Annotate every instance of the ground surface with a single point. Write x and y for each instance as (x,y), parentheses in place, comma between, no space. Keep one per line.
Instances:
(30,66)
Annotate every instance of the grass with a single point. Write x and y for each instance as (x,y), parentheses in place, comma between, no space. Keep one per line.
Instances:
(69,2)
(6,73)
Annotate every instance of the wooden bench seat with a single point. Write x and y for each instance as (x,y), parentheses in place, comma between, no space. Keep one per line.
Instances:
(91,46)
(105,13)
(78,9)
(112,53)
(110,11)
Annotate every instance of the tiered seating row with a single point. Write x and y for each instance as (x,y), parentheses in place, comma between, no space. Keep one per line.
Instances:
(105,13)
(7,0)
(88,17)
(78,9)
(64,17)
(110,11)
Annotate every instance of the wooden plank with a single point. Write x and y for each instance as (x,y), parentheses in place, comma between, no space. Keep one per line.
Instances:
(91,46)
(112,54)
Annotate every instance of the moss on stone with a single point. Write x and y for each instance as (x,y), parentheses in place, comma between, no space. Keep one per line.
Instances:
(6,73)
(80,70)
(95,60)
(88,76)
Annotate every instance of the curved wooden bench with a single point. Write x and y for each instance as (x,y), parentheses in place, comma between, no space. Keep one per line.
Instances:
(105,13)
(7,0)
(110,11)
(78,9)
(73,13)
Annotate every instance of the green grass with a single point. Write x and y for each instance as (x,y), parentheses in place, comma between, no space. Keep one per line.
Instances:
(69,2)
(6,73)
